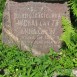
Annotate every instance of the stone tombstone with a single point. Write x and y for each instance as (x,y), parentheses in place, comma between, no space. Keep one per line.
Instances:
(34,26)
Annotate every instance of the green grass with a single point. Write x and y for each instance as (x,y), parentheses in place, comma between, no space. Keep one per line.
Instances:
(2,3)
(17,63)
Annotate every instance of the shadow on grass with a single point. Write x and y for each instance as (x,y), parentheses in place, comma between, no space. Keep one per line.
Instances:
(63,76)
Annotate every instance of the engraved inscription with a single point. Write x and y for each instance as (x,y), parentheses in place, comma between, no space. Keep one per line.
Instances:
(37,25)
(41,25)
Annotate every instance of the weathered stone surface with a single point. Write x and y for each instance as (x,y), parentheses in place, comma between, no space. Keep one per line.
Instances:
(34,26)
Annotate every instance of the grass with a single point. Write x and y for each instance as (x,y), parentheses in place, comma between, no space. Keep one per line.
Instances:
(16,63)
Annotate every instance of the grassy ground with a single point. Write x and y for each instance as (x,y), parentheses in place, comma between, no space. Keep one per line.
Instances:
(16,63)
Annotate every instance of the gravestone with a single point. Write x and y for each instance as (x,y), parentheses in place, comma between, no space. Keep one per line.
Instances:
(34,26)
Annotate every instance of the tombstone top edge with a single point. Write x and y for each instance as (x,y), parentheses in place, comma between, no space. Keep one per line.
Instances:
(39,0)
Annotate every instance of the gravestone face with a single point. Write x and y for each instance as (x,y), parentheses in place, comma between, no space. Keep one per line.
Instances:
(34,26)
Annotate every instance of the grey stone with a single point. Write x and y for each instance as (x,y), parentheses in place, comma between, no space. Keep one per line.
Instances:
(34,26)
(74,71)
